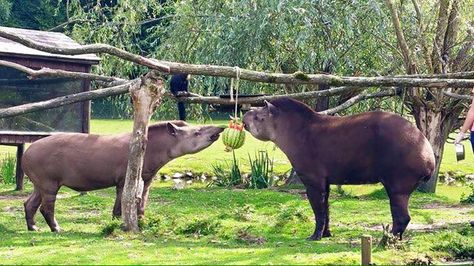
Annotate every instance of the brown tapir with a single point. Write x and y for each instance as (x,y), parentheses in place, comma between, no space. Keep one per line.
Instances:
(85,162)
(360,149)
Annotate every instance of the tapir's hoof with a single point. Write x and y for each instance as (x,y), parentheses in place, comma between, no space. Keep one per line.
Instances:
(327,234)
(314,238)
(33,228)
(56,229)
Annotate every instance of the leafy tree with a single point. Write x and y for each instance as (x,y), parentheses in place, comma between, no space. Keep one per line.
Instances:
(434,37)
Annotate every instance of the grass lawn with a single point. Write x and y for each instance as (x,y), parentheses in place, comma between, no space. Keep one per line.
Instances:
(200,225)
(236,227)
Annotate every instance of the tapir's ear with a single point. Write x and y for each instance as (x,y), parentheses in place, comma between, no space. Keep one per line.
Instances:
(272,109)
(172,128)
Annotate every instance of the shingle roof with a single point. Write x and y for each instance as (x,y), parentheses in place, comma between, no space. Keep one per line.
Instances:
(55,39)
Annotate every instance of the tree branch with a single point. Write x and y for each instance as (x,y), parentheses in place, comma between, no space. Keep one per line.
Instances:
(358,98)
(436,56)
(458,96)
(58,73)
(65,100)
(409,63)
(454,75)
(86,49)
(261,99)
(61,26)
(422,36)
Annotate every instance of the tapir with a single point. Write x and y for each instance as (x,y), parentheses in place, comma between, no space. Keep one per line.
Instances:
(85,162)
(365,148)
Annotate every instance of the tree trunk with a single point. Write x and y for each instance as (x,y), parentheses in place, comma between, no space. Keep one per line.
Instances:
(435,125)
(146,95)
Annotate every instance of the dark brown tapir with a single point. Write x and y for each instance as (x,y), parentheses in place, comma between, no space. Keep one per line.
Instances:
(85,162)
(365,148)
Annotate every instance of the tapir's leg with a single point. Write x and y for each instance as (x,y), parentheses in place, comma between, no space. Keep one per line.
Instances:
(117,212)
(327,232)
(143,202)
(31,207)
(400,214)
(48,199)
(317,196)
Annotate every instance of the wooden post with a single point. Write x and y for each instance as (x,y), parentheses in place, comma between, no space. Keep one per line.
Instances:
(19,171)
(366,250)
(146,95)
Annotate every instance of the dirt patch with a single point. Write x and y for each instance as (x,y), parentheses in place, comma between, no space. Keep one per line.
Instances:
(463,219)
(19,196)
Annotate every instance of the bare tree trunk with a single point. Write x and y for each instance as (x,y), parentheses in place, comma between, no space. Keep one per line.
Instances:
(146,96)
(435,125)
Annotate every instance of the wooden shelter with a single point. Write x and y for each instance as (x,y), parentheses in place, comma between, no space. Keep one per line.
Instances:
(16,88)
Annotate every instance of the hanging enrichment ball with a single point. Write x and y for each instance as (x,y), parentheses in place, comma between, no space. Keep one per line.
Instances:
(233,136)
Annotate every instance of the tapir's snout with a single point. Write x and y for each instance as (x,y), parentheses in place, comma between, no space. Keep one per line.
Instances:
(214,133)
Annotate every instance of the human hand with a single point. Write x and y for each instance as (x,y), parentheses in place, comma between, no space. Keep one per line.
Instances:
(459,137)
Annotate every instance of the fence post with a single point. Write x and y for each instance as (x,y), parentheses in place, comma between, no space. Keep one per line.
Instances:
(366,250)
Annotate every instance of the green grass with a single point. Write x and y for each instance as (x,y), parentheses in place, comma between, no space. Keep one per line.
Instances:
(177,213)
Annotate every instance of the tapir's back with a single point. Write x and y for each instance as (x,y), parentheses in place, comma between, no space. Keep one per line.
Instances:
(365,147)
(74,158)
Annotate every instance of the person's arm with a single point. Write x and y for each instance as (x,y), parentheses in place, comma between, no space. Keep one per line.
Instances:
(467,123)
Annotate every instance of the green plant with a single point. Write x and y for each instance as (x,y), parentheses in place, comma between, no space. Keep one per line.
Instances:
(261,175)
(468,199)
(200,226)
(7,169)
(225,178)
(460,247)
(111,227)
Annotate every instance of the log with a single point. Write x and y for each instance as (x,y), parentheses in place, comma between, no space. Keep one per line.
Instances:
(146,96)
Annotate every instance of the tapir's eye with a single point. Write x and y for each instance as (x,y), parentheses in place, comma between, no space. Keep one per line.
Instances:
(197,133)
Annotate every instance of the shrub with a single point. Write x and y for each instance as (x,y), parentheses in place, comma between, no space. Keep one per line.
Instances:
(7,169)
(261,175)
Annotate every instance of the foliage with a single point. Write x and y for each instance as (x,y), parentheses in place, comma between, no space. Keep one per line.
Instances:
(5,10)
(7,169)
(32,14)
(469,199)
(261,174)
(224,177)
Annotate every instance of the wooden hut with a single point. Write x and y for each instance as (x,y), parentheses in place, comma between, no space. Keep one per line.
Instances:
(17,89)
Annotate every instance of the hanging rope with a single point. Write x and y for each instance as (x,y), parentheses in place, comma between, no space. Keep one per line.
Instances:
(235,85)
